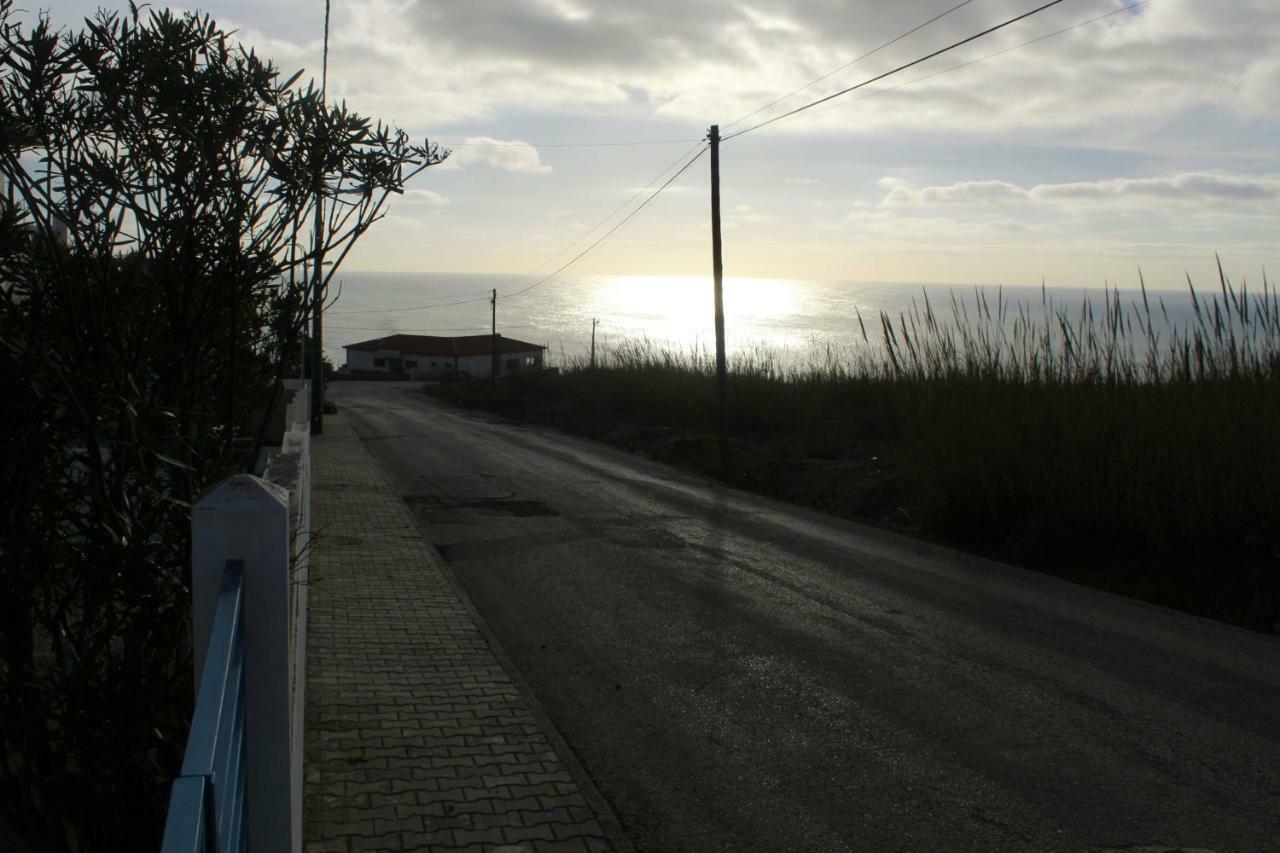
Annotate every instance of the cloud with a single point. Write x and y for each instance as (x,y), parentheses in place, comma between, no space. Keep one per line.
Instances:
(804,182)
(964,192)
(890,227)
(695,59)
(588,34)
(427,197)
(1189,187)
(430,63)
(1259,92)
(511,155)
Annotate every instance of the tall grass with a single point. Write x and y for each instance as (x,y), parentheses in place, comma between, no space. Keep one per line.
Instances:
(1105,441)
(1105,436)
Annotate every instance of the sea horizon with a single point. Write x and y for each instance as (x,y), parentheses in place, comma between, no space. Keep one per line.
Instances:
(791,319)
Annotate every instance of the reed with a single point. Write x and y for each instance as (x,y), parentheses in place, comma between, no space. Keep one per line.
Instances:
(1105,442)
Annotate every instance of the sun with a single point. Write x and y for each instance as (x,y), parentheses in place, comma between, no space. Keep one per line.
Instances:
(681,308)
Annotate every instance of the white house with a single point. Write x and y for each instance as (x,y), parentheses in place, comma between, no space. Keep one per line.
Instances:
(429,357)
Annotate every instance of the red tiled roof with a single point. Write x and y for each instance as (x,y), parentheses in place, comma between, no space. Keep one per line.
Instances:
(448,347)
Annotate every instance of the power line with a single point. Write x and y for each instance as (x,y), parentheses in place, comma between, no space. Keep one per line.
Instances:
(691,161)
(1009,50)
(549,260)
(411,307)
(633,197)
(609,216)
(850,63)
(911,64)
(324,57)
(567,144)
(421,331)
(1036,40)
(612,230)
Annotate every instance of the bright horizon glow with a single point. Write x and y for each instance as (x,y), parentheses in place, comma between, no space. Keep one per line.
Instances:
(790,321)
(671,302)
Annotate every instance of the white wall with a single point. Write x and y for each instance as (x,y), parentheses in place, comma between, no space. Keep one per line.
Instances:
(361,360)
(475,366)
(481,366)
(431,366)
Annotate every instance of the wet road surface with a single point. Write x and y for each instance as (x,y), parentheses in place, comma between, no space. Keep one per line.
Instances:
(739,674)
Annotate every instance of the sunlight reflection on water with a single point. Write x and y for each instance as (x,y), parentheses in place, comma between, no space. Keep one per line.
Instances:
(791,318)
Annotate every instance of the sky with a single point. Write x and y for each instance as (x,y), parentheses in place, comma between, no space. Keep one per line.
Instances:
(1144,141)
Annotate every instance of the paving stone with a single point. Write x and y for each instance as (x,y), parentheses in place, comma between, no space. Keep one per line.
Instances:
(416,737)
(573,845)
(478,836)
(529,833)
(565,831)
(331,845)
(375,843)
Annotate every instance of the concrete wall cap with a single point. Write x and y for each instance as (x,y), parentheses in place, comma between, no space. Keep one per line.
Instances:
(243,493)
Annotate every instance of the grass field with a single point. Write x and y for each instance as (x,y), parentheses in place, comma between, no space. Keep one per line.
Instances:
(1107,445)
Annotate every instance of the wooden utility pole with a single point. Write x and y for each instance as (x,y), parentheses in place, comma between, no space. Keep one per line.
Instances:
(317,322)
(593,343)
(493,342)
(317,285)
(717,269)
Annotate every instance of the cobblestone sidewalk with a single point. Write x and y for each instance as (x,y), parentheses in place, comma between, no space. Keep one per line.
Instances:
(416,737)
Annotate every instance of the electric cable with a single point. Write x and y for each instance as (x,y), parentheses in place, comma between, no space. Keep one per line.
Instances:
(851,63)
(422,331)
(549,260)
(567,144)
(1036,40)
(612,230)
(900,68)
(690,162)
(609,216)
(411,307)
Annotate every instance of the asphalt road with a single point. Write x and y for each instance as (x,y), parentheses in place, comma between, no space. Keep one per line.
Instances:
(739,674)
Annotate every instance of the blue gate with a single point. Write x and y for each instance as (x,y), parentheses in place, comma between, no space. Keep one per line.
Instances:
(207,803)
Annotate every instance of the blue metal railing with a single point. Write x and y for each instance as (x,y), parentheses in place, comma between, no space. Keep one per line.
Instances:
(207,803)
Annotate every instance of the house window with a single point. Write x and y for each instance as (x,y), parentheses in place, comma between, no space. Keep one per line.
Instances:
(379,362)
(531,361)
(411,364)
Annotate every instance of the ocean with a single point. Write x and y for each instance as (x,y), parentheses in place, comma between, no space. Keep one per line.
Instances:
(790,318)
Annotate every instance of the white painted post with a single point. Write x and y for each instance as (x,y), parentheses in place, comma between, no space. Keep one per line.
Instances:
(247,518)
(292,469)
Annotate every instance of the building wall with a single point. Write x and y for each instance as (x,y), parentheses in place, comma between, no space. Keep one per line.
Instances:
(360,360)
(441,366)
(432,366)
(481,366)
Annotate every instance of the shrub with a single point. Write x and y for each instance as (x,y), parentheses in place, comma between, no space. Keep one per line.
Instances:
(162,183)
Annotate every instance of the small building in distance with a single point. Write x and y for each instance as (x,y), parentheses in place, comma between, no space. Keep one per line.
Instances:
(430,357)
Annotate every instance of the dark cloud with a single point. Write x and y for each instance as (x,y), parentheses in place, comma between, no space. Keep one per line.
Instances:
(626,35)
(608,35)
